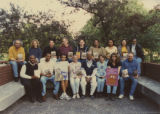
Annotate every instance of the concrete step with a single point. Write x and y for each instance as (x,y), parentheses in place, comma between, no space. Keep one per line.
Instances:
(150,88)
(10,93)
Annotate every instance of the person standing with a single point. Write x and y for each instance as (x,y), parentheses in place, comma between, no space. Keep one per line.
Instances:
(96,50)
(16,57)
(31,80)
(35,50)
(65,48)
(51,48)
(81,50)
(137,50)
(123,50)
(132,68)
(110,49)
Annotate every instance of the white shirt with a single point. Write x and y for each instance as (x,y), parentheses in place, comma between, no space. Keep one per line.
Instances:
(74,67)
(63,65)
(24,75)
(134,49)
(45,67)
(109,50)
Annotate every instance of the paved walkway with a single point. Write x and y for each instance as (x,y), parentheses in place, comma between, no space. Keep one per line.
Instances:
(83,106)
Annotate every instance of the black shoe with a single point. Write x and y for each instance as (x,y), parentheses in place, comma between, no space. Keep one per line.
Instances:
(112,97)
(97,95)
(16,79)
(92,96)
(32,100)
(39,100)
(108,97)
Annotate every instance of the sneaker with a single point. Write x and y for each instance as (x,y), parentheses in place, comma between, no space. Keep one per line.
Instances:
(62,96)
(16,79)
(108,96)
(112,97)
(67,97)
(55,96)
(131,98)
(74,96)
(78,96)
(121,96)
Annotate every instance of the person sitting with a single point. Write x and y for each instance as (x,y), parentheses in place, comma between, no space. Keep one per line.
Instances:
(31,80)
(114,62)
(75,76)
(101,74)
(47,68)
(130,70)
(90,68)
(16,57)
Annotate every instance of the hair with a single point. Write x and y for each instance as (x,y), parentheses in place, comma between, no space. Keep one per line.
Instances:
(102,56)
(117,58)
(131,53)
(32,55)
(50,39)
(35,40)
(47,53)
(18,40)
(111,40)
(122,41)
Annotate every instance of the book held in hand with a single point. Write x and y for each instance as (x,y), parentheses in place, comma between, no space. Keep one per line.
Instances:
(84,55)
(70,55)
(20,56)
(112,76)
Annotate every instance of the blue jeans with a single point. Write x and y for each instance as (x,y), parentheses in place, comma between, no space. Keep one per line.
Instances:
(133,86)
(114,89)
(14,65)
(44,80)
(100,84)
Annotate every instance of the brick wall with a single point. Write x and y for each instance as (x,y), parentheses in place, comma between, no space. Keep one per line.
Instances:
(6,74)
(151,70)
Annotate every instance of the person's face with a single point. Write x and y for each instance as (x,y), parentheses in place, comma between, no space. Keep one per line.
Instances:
(110,43)
(65,41)
(51,43)
(35,44)
(63,58)
(134,41)
(32,59)
(48,57)
(17,44)
(75,59)
(96,43)
(89,56)
(124,43)
(101,59)
(130,57)
(81,43)
(114,58)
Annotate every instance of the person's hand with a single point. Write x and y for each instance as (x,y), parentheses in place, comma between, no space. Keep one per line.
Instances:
(79,76)
(102,77)
(136,77)
(48,75)
(35,77)
(87,79)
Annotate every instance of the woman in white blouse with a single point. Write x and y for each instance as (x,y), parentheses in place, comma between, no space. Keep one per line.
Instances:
(110,48)
(75,76)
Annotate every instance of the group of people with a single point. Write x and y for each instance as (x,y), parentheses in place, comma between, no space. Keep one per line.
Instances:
(80,66)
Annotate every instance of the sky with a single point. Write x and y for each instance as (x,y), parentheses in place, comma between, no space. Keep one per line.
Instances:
(61,12)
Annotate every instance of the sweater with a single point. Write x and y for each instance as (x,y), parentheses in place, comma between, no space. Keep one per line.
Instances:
(37,52)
